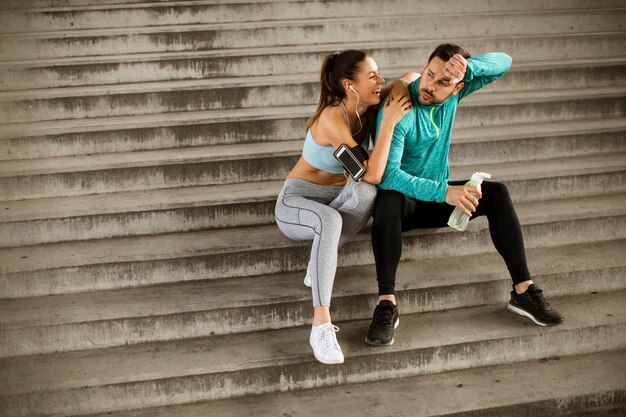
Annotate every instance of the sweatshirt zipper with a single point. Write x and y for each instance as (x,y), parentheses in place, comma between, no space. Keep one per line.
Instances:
(432,110)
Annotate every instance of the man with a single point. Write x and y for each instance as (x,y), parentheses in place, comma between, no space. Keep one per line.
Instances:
(415,191)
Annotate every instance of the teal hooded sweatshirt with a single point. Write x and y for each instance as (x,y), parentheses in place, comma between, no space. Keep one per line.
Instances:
(418,159)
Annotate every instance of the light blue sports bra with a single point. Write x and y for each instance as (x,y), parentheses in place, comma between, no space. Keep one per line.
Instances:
(321,157)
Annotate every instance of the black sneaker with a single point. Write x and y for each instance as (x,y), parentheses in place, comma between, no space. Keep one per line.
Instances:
(385,321)
(531,304)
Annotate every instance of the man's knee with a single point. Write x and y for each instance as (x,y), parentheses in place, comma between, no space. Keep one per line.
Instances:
(495,190)
(496,196)
(500,188)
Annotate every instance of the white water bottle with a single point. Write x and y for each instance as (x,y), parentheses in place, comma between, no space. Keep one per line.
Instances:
(459,220)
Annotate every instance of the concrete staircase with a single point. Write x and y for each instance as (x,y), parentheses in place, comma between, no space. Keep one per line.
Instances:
(142,146)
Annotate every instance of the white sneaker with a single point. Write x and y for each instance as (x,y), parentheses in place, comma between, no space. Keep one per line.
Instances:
(324,343)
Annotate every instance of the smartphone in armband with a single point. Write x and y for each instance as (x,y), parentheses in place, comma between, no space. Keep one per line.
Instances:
(352,165)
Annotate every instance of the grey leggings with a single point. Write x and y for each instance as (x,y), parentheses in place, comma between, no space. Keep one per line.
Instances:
(328,215)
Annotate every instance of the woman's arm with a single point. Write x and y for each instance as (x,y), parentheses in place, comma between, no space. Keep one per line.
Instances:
(393,111)
(331,129)
(399,86)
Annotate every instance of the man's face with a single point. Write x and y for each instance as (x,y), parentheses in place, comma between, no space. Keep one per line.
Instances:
(434,87)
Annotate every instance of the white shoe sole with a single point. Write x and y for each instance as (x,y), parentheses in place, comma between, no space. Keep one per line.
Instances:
(523,313)
(326,361)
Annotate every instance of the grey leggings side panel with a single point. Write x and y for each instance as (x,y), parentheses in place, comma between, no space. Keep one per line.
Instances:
(328,215)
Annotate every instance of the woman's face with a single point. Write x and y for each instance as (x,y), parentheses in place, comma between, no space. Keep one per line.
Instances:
(368,82)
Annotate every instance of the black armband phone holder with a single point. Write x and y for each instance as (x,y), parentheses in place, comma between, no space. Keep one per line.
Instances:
(352,160)
(360,153)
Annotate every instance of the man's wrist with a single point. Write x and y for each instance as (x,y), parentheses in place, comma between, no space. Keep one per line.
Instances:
(469,71)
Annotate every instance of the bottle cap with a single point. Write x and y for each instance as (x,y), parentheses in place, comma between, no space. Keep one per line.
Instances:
(480,176)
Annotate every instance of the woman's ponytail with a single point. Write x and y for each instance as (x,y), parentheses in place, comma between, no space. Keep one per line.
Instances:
(335,68)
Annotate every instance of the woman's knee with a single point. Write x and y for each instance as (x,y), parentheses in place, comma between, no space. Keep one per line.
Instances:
(330,221)
(358,196)
(322,220)
(365,194)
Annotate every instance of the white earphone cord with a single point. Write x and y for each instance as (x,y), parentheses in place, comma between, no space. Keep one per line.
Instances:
(356,111)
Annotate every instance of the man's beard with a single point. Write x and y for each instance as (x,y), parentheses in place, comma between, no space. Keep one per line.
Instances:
(429,98)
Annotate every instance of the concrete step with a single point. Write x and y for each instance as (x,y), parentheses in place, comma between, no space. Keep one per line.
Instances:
(588,385)
(55,16)
(187,310)
(297,89)
(81,4)
(97,216)
(285,60)
(252,339)
(263,123)
(66,139)
(229,164)
(71,267)
(230,366)
(28,222)
(180,38)
(524,142)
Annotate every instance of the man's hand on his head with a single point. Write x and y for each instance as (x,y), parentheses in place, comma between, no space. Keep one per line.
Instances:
(455,68)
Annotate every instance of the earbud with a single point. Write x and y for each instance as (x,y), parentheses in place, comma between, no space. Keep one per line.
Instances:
(351,88)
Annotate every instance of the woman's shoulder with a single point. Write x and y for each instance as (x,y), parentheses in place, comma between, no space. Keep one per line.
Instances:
(328,122)
(330,115)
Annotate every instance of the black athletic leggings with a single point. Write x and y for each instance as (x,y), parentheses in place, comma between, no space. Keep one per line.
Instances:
(395,213)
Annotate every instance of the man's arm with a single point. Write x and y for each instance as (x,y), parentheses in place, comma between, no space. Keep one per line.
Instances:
(394,178)
(484,69)
(419,188)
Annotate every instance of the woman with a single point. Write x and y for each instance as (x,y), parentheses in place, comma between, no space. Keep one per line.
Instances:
(318,201)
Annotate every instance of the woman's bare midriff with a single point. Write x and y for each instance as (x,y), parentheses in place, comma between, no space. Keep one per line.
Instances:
(305,171)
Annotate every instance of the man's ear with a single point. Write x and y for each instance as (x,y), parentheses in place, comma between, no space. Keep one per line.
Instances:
(458,88)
